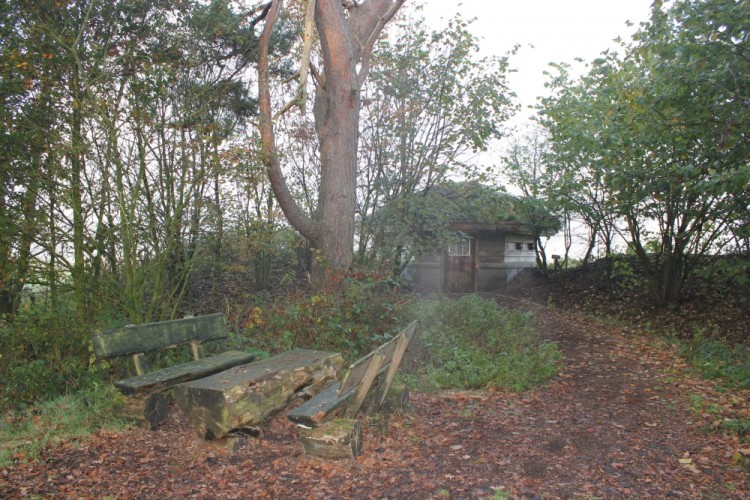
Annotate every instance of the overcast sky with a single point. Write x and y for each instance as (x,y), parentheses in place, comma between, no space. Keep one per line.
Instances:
(547,31)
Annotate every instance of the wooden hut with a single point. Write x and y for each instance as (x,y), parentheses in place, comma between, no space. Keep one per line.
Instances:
(490,244)
(484,257)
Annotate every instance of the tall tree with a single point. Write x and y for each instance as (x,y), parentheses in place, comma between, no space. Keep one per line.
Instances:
(348,32)
(665,127)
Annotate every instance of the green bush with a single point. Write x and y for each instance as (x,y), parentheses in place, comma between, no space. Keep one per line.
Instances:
(472,343)
(44,353)
(351,316)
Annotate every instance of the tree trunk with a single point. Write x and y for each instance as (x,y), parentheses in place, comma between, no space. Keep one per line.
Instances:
(337,125)
(347,37)
(76,171)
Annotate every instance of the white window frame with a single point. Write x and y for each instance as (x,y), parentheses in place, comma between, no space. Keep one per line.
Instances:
(461,247)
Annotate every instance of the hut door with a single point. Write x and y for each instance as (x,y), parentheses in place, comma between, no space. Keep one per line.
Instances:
(458,265)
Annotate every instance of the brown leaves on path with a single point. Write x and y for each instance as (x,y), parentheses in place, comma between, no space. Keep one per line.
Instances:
(620,420)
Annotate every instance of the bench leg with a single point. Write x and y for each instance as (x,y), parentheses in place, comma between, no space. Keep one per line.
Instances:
(153,408)
(156,411)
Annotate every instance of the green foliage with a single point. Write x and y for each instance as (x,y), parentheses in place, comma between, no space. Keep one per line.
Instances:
(472,343)
(24,434)
(715,359)
(657,136)
(624,274)
(352,315)
(729,270)
(44,352)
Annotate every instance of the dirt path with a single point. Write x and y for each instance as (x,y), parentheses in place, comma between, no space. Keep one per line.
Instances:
(617,422)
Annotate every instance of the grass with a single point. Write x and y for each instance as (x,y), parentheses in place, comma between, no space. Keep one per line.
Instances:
(472,343)
(25,434)
(715,359)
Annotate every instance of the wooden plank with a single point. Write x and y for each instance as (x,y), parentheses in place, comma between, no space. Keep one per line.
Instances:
(247,395)
(338,439)
(376,362)
(133,339)
(332,401)
(168,377)
(403,342)
(325,405)
(357,370)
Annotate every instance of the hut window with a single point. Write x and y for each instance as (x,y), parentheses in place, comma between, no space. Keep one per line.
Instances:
(460,248)
(519,246)
(530,246)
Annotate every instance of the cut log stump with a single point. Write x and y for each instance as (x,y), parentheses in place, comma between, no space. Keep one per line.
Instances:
(337,439)
(247,395)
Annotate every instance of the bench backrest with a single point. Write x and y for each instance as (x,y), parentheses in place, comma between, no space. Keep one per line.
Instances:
(390,352)
(135,339)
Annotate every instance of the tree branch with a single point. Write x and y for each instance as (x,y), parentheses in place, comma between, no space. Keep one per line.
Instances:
(297,218)
(368,20)
(300,97)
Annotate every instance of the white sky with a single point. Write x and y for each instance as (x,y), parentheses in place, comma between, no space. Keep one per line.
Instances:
(547,31)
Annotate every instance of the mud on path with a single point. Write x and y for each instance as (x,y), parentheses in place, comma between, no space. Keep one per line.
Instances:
(622,419)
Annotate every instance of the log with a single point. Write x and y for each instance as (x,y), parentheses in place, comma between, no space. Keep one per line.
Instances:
(151,408)
(245,396)
(337,439)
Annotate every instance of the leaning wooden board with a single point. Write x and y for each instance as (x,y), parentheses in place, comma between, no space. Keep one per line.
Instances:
(347,396)
(245,396)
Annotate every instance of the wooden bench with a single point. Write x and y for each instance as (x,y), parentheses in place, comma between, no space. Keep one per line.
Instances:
(366,382)
(146,389)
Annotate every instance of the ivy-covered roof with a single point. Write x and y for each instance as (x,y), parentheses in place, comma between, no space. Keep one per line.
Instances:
(437,213)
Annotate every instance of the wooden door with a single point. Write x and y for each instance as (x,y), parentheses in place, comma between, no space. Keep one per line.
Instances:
(458,266)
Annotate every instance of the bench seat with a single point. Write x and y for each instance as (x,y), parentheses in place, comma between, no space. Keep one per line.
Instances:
(168,377)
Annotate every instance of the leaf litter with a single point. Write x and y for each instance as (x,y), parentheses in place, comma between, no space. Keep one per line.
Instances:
(615,422)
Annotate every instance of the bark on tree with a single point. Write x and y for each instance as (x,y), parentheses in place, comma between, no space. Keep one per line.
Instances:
(347,37)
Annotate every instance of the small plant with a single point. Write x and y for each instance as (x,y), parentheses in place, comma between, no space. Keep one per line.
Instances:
(499,493)
(715,359)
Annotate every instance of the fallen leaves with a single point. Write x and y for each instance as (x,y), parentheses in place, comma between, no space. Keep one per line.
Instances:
(607,428)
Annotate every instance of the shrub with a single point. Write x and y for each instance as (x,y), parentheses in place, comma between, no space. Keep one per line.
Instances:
(473,343)
(351,316)
(44,353)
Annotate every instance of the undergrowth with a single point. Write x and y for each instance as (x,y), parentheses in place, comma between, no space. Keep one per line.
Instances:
(472,343)
(45,353)
(24,434)
(716,359)
(354,314)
